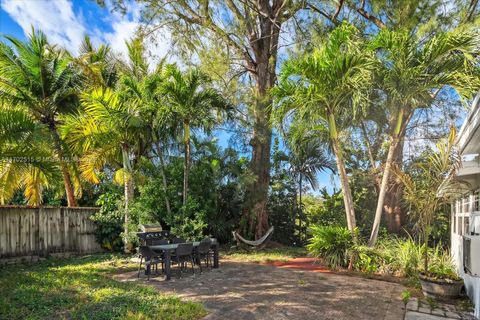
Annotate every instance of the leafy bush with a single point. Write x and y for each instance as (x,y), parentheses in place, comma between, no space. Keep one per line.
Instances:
(109,221)
(189,222)
(441,265)
(402,256)
(329,212)
(215,194)
(368,260)
(332,244)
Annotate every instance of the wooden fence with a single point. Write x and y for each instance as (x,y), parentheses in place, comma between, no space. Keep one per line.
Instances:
(30,232)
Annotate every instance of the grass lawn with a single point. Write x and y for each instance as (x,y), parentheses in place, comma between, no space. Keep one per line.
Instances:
(266,255)
(80,288)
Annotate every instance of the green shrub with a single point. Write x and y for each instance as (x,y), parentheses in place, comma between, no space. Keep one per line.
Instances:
(189,222)
(109,221)
(405,256)
(332,245)
(368,260)
(441,264)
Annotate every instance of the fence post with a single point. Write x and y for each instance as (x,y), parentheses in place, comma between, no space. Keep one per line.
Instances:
(37,232)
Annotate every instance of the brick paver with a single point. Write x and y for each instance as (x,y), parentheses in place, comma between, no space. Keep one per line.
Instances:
(421,310)
(255,291)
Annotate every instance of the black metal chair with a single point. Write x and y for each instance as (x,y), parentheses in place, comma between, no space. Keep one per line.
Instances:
(183,255)
(203,253)
(178,240)
(152,259)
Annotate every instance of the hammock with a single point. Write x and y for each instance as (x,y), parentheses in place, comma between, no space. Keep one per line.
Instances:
(255,243)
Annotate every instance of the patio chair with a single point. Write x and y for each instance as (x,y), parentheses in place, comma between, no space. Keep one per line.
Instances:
(178,240)
(152,259)
(203,253)
(209,240)
(183,255)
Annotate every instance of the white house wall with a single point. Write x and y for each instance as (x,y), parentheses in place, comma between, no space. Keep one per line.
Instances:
(472,284)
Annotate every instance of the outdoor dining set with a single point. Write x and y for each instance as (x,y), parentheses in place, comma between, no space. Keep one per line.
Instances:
(161,248)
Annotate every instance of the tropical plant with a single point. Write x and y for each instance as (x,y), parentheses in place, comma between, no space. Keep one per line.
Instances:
(308,157)
(441,264)
(98,65)
(112,129)
(109,221)
(328,209)
(27,154)
(191,100)
(431,185)
(412,73)
(323,89)
(402,256)
(39,84)
(332,244)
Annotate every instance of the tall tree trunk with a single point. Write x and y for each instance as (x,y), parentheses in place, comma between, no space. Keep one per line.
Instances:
(383,191)
(393,210)
(186,164)
(400,125)
(300,216)
(265,50)
(347,193)
(67,180)
(128,191)
(257,193)
(164,178)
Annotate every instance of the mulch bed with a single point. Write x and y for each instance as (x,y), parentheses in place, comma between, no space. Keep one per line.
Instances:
(305,263)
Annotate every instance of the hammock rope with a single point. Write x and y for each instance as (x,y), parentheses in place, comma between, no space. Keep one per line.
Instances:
(255,243)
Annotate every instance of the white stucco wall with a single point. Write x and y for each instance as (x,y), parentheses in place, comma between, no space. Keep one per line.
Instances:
(472,284)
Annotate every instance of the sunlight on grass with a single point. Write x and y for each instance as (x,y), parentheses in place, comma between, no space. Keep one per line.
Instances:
(266,255)
(81,288)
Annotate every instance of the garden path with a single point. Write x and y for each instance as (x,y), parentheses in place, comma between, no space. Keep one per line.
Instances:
(240,290)
(422,310)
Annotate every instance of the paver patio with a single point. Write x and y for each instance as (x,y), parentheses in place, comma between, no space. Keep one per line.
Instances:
(421,310)
(239,290)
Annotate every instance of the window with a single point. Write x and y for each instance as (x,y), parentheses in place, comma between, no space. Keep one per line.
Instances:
(459,226)
(466,214)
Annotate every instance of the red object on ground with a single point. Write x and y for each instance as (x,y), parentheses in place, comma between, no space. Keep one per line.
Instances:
(309,264)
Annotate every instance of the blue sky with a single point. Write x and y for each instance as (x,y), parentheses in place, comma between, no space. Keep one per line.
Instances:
(66,22)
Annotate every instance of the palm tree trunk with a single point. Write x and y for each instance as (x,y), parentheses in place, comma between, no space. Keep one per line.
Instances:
(347,193)
(164,178)
(383,191)
(386,176)
(300,203)
(186,165)
(67,180)
(128,191)
(392,206)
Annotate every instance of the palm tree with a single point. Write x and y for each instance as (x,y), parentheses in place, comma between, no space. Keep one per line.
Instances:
(307,158)
(193,102)
(144,87)
(97,64)
(323,87)
(412,74)
(109,131)
(432,184)
(40,80)
(112,129)
(26,157)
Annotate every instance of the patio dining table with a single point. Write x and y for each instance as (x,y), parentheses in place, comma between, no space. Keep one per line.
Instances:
(168,249)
